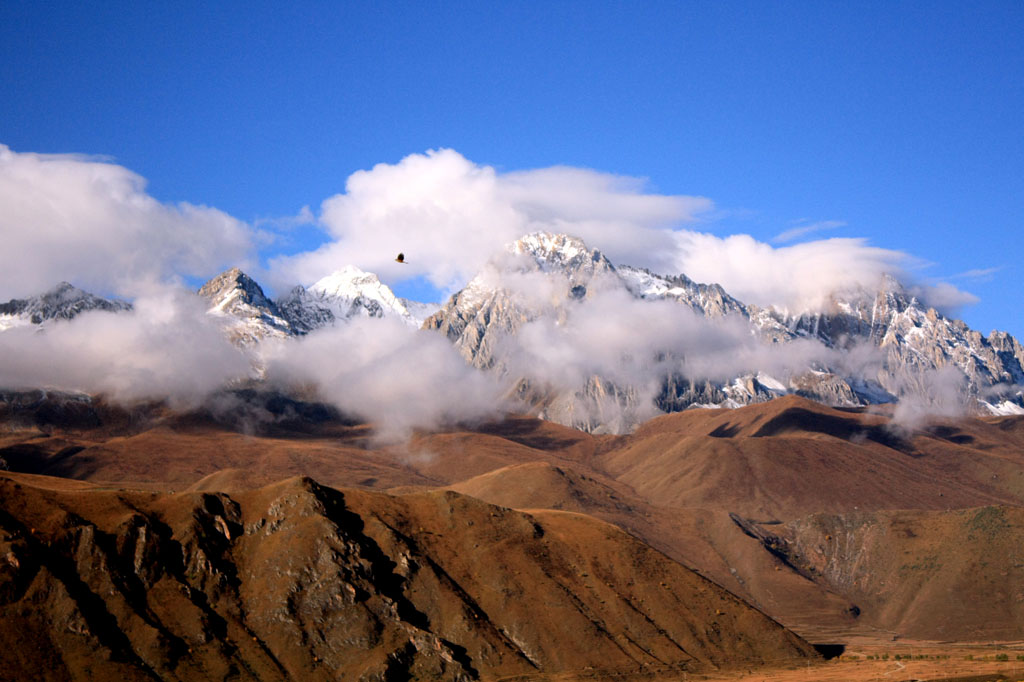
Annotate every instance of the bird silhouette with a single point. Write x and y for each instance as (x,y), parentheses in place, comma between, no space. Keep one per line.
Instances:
(401,259)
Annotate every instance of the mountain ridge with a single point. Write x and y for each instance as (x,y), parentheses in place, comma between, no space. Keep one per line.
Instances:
(552,277)
(63,302)
(913,342)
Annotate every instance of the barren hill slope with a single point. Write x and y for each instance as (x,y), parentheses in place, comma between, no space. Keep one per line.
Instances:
(692,485)
(791,457)
(301,581)
(945,575)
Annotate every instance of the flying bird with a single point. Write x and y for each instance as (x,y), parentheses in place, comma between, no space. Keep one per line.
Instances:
(401,259)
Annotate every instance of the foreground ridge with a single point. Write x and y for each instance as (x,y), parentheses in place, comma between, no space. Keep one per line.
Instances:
(297,580)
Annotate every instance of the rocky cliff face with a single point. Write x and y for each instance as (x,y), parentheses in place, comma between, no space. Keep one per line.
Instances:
(300,581)
(894,565)
(240,301)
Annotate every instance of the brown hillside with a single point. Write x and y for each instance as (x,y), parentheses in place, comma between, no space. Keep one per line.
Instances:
(300,581)
(705,539)
(791,457)
(678,483)
(949,575)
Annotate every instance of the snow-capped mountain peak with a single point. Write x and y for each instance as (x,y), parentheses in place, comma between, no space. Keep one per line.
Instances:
(63,302)
(344,294)
(550,251)
(350,283)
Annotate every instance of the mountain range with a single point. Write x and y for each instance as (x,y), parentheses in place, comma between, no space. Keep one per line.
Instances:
(265,535)
(555,279)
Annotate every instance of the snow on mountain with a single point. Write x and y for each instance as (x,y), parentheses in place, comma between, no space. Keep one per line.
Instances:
(63,302)
(710,300)
(248,314)
(913,341)
(345,294)
(1003,409)
(251,316)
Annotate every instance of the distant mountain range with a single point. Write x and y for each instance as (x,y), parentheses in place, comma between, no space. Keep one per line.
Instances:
(914,341)
(910,341)
(339,297)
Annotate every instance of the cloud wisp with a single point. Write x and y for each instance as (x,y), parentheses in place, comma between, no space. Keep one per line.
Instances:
(803,228)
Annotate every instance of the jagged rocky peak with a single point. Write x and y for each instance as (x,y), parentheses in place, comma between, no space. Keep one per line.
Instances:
(251,315)
(234,285)
(63,302)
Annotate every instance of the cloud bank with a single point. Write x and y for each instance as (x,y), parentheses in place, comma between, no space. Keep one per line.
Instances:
(385,372)
(90,222)
(448,215)
(167,347)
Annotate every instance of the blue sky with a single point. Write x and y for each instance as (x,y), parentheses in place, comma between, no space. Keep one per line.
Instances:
(901,123)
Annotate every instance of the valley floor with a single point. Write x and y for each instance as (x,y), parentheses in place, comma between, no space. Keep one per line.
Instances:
(918,662)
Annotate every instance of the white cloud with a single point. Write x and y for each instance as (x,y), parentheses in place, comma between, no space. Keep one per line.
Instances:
(943,296)
(930,394)
(796,278)
(90,222)
(385,372)
(636,341)
(167,347)
(448,215)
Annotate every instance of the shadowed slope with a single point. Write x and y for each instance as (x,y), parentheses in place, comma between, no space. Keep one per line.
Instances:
(792,457)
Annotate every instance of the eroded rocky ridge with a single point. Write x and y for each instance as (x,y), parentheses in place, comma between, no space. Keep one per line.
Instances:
(301,581)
